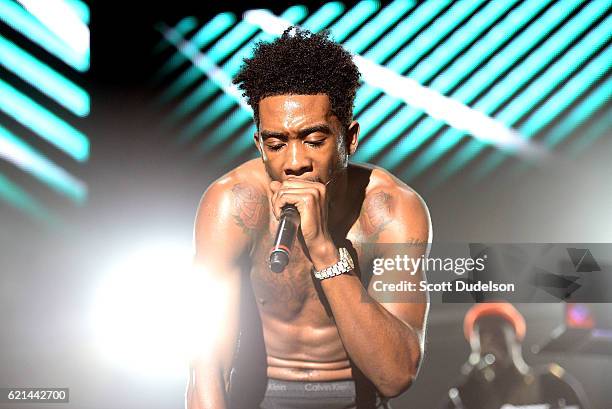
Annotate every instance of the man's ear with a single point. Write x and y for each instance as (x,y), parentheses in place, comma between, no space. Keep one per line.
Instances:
(258,145)
(352,137)
(256,140)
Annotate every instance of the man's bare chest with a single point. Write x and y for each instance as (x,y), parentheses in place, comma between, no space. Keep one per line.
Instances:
(295,291)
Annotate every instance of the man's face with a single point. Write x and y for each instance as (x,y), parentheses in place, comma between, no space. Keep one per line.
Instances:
(300,137)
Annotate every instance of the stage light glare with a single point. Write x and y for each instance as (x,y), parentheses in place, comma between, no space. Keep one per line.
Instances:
(62,20)
(153,311)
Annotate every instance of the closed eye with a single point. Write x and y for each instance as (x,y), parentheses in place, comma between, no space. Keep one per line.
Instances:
(275,147)
(316,144)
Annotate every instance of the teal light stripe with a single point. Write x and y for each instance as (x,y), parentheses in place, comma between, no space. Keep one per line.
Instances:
(22,21)
(317,21)
(222,48)
(475,55)
(405,29)
(427,40)
(377,26)
(553,76)
(43,122)
(452,77)
(323,16)
(533,64)
(183,27)
(473,28)
(228,127)
(353,18)
(208,33)
(29,160)
(81,9)
(224,102)
(392,41)
(22,201)
(209,115)
(482,79)
(433,152)
(239,145)
(579,114)
(44,78)
(602,127)
(377,141)
(422,44)
(376,114)
(561,99)
(538,57)
(458,160)
(208,88)
(571,90)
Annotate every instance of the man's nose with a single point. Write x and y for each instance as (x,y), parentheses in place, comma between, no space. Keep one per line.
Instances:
(299,161)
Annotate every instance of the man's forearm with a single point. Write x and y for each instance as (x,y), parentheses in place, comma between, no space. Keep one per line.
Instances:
(208,389)
(365,326)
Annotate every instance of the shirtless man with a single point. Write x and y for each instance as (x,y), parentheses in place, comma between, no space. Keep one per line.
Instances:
(319,333)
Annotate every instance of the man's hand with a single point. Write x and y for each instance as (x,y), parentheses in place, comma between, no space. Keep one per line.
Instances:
(310,199)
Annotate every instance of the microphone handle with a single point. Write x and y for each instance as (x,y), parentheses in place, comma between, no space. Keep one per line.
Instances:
(285,236)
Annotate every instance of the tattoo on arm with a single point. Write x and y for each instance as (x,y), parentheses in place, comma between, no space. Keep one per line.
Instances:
(376,214)
(249,207)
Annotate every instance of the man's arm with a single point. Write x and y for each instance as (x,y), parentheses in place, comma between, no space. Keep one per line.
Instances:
(385,339)
(228,215)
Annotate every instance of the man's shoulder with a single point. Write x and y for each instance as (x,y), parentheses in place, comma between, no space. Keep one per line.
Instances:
(237,201)
(382,181)
(392,208)
(246,179)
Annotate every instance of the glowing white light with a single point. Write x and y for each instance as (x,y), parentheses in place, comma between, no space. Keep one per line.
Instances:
(263,18)
(62,20)
(437,105)
(153,312)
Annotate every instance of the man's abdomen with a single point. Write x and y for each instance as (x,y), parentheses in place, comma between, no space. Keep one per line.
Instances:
(304,351)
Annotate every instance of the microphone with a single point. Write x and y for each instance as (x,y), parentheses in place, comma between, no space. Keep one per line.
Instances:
(285,236)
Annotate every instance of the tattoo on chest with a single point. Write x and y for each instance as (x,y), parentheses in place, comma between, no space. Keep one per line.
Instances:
(249,207)
(376,214)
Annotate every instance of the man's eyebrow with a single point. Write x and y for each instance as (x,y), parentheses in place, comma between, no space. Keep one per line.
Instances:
(302,133)
(272,134)
(323,128)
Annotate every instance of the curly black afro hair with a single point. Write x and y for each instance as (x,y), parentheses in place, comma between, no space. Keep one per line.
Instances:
(301,63)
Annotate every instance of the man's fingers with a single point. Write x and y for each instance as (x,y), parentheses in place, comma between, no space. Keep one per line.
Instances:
(304,183)
(300,182)
(300,200)
(297,192)
(307,197)
(312,186)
